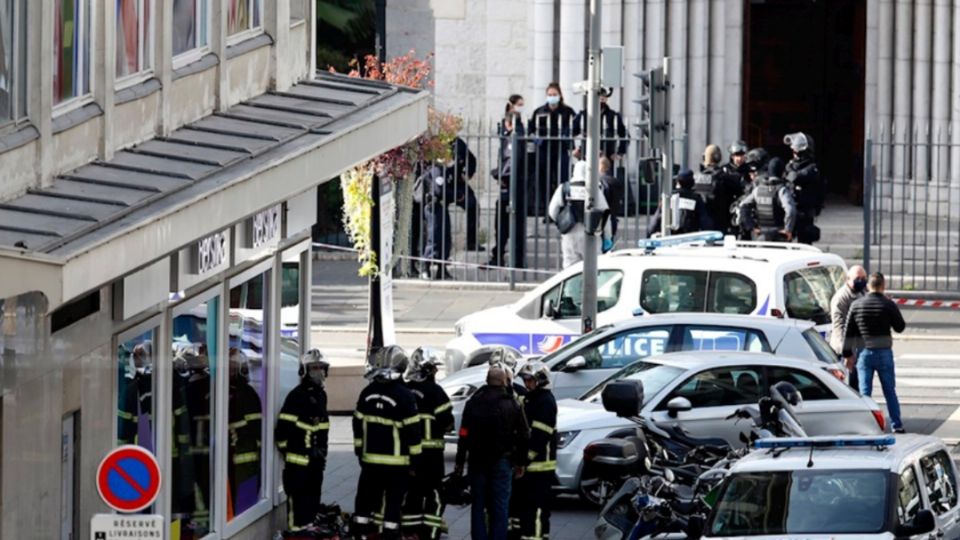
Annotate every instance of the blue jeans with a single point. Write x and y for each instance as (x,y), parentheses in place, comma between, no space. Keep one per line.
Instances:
(881,362)
(490,487)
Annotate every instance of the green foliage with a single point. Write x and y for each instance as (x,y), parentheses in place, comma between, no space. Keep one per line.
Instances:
(345,32)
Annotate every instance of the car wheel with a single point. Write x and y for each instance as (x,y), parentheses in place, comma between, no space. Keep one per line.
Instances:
(595,491)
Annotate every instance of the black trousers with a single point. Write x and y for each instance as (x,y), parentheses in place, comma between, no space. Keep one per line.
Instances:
(380,494)
(518,244)
(423,506)
(303,485)
(530,506)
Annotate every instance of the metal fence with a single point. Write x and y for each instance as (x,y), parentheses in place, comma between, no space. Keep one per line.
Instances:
(493,225)
(911,216)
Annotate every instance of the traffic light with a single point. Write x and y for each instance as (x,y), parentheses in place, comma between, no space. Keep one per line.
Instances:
(654,108)
(646,97)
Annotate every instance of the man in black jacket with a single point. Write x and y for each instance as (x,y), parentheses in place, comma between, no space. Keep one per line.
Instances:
(494,436)
(530,518)
(870,321)
(808,189)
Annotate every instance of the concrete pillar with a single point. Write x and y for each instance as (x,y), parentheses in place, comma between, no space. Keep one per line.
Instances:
(941,88)
(884,78)
(163,62)
(655,37)
(543,29)
(955,120)
(41,81)
(902,92)
(633,31)
(218,45)
(276,23)
(922,58)
(103,69)
(572,48)
(699,74)
(677,26)
(733,71)
(716,64)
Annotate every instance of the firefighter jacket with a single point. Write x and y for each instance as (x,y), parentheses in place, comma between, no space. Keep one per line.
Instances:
(386,425)
(245,426)
(303,425)
(540,408)
(436,413)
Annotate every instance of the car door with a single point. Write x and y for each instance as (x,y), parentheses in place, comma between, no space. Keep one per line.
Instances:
(549,333)
(939,481)
(714,394)
(606,356)
(909,498)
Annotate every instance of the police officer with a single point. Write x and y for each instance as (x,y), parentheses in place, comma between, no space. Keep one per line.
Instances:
(301,436)
(688,211)
(717,188)
(423,509)
(613,133)
(568,210)
(808,189)
(245,429)
(551,128)
(754,165)
(387,440)
(769,210)
(439,186)
(531,519)
(737,166)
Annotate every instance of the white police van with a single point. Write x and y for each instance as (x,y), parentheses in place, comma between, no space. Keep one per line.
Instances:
(839,487)
(700,272)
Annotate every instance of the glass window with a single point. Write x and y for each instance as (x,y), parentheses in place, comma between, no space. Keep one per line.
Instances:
(193,419)
(622,349)
(13,59)
(823,351)
(298,10)
(721,387)
(940,482)
(571,296)
(909,503)
(71,50)
(808,292)
(191,25)
(669,291)
(242,15)
(135,390)
(801,502)
(553,295)
(134,37)
(721,338)
(246,394)
(731,293)
(653,376)
(810,387)
(288,376)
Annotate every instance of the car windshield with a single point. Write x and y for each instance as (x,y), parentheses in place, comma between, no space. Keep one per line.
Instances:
(575,343)
(653,376)
(809,290)
(802,502)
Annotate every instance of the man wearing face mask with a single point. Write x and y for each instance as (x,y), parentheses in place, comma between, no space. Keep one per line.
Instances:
(853,289)
(301,437)
(551,129)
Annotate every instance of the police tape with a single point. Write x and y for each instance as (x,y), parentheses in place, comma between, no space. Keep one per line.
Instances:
(919,302)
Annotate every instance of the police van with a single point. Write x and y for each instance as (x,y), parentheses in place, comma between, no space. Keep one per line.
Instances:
(698,273)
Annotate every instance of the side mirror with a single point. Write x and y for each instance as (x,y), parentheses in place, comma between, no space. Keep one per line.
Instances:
(922,523)
(575,364)
(623,398)
(638,312)
(550,310)
(695,526)
(678,405)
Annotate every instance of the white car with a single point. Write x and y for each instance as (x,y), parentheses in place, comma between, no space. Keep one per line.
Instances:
(819,488)
(698,390)
(757,278)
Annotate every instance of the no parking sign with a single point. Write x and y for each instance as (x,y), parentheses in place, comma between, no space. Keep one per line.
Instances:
(128,479)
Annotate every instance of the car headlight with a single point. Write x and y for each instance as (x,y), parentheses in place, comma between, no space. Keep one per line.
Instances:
(566,437)
(460,393)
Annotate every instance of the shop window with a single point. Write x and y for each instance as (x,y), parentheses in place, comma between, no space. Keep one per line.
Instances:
(289,350)
(191,27)
(243,15)
(13,59)
(193,417)
(249,328)
(135,390)
(71,49)
(74,311)
(134,39)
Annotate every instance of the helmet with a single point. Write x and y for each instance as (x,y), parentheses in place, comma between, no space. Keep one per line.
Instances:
(387,363)
(507,356)
(314,356)
(787,392)
(423,364)
(190,358)
(738,147)
(456,490)
(796,141)
(537,371)
(684,178)
(756,159)
(712,154)
(775,168)
(239,363)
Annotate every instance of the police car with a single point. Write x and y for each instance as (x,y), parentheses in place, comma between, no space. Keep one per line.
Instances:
(700,272)
(839,487)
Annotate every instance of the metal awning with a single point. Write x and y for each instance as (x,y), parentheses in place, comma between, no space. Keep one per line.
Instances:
(107,219)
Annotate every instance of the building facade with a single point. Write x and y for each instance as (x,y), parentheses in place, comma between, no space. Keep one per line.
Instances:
(841,70)
(159,163)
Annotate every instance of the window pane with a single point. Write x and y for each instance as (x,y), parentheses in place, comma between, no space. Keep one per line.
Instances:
(731,293)
(298,10)
(669,291)
(809,290)
(131,42)
(135,391)
(194,365)
(809,386)
(715,338)
(71,45)
(288,377)
(940,482)
(189,25)
(608,293)
(239,16)
(909,500)
(627,348)
(248,389)
(721,387)
(7,78)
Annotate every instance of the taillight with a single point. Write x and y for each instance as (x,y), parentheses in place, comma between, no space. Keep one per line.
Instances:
(838,373)
(881,421)
(776,313)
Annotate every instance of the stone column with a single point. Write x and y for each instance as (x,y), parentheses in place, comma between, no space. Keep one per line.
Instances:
(733,70)
(543,29)
(716,65)
(572,48)
(940,158)
(699,73)
(883,119)
(677,27)
(902,92)
(922,56)
(633,31)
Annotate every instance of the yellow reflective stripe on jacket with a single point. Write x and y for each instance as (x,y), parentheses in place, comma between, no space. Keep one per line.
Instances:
(416,449)
(125,415)
(253,416)
(281,444)
(246,457)
(436,443)
(410,421)
(531,454)
(238,424)
(542,427)
(380,459)
(307,427)
(288,417)
(444,407)
(542,466)
(358,443)
(297,459)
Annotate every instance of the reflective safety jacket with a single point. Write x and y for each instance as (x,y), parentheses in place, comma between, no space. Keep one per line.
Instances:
(246,432)
(386,425)
(303,425)
(436,413)
(540,408)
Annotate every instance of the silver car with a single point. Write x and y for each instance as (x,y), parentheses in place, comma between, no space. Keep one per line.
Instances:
(698,390)
(592,358)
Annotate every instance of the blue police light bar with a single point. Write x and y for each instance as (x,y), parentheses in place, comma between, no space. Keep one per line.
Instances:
(825,442)
(691,238)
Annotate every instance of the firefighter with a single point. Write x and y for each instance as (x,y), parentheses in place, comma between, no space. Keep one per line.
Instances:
(423,510)
(245,429)
(199,389)
(769,210)
(687,210)
(183,479)
(301,436)
(531,511)
(127,397)
(387,440)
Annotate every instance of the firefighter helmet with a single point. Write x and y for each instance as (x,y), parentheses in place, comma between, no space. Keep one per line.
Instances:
(537,371)
(387,363)
(314,357)
(424,363)
(507,356)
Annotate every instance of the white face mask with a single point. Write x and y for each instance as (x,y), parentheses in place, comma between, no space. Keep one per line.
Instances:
(518,109)
(553,100)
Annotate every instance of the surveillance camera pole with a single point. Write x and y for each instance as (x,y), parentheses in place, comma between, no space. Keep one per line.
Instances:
(591,246)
